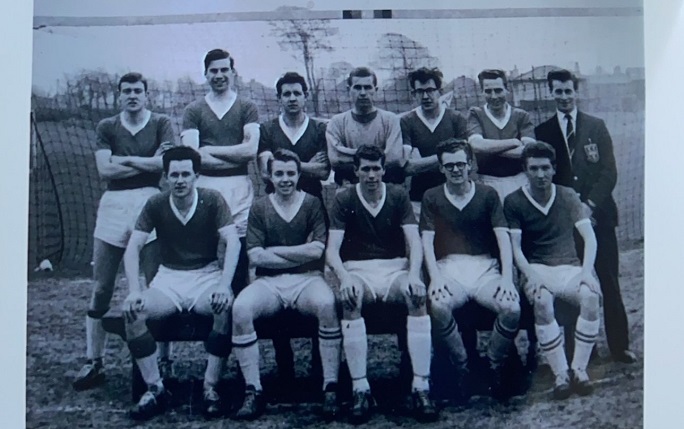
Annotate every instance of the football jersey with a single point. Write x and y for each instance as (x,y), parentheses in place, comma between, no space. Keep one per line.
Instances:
(191,245)
(367,236)
(547,232)
(468,230)
(267,228)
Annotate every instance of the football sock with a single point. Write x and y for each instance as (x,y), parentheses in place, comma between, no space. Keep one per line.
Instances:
(212,375)
(586,332)
(419,342)
(149,369)
(551,344)
(500,342)
(247,353)
(164,350)
(96,338)
(355,345)
(329,346)
(450,338)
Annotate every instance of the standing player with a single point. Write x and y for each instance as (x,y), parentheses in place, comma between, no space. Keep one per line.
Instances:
(587,164)
(294,130)
(364,124)
(497,132)
(423,128)
(189,222)
(371,225)
(542,217)
(285,239)
(128,157)
(463,231)
(225,128)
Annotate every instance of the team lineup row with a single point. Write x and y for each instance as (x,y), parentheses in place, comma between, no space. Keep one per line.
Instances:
(464,241)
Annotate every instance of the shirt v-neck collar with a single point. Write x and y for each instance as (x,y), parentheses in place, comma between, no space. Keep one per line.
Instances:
(220,108)
(372,210)
(432,126)
(296,134)
(544,209)
(135,128)
(499,123)
(287,216)
(460,204)
(185,219)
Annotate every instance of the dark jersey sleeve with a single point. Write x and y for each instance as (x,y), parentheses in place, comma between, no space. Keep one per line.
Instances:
(525,125)
(223,215)
(461,126)
(406,130)
(404,204)
(165,130)
(250,114)
(191,117)
(496,210)
(318,229)
(265,139)
(256,227)
(104,135)
(427,213)
(339,211)
(511,213)
(473,124)
(147,218)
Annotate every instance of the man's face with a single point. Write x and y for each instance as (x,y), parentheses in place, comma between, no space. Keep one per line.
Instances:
(292,98)
(219,74)
(181,177)
(427,95)
(539,172)
(455,167)
(132,96)
(284,176)
(494,92)
(564,94)
(370,174)
(362,92)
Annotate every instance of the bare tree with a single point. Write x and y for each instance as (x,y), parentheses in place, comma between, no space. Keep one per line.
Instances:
(398,55)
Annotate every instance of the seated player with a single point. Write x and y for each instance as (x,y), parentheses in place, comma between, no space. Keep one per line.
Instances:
(285,242)
(541,217)
(189,222)
(463,231)
(371,224)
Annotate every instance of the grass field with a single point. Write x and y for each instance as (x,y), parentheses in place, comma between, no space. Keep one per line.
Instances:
(55,350)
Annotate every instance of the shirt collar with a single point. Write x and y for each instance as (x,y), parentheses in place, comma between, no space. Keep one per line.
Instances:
(499,123)
(296,134)
(432,126)
(185,219)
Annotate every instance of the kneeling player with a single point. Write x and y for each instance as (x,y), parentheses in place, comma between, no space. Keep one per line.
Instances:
(370,225)
(189,222)
(541,217)
(285,241)
(463,230)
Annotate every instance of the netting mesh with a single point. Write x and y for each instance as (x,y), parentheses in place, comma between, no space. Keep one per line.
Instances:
(65,187)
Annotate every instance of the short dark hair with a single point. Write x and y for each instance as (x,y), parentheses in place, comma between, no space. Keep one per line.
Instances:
(369,153)
(561,75)
(453,145)
(538,149)
(181,153)
(284,155)
(492,74)
(290,78)
(132,77)
(217,54)
(424,74)
(361,72)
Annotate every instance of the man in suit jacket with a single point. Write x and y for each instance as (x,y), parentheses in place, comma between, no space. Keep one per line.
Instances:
(585,162)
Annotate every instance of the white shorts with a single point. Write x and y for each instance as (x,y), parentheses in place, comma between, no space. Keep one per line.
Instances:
(472,271)
(559,281)
(238,193)
(378,274)
(503,185)
(185,287)
(118,212)
(288,287)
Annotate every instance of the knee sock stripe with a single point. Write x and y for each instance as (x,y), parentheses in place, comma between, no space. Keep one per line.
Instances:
(585,340)
(330,337)
(505,332)
(448,330)
(246,340)
(330,334)
(244,345)
(585,337)
(551,344)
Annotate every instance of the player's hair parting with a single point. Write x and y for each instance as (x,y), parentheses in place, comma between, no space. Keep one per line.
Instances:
(561,75)
(453,145)
(182,153)
(284,155)
(132,77)
(291,78)
(217,54)
(361,72)
(369,153)
(538,149)
(492,74)
(423,75)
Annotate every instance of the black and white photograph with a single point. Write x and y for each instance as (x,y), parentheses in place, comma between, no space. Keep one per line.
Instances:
(309,213)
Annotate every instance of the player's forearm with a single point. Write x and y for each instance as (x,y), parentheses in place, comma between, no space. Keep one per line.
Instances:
(491,146)
(143,163)
(210,162)
(415,256)
(505,254)
(265,258)
(230,259)
(513,153)
(113,171)
(302,253)
(237,154)
(422,165)
(131,262)
(590,247)
(429,254)
(317,170)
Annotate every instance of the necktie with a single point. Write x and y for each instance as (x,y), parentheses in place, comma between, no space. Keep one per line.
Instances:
(570,134)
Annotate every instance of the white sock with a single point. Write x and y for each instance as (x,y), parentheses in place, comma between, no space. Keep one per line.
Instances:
(329,346)
(419,341)
(149,369)
(355,343)
(96,338)
(586,332)
(551,344)
(246,349)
